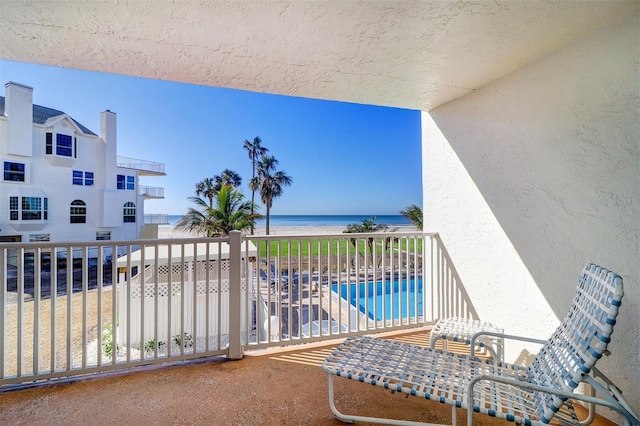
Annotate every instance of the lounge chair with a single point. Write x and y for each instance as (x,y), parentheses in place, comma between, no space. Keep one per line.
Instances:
(272,279)
(278,277)
(531,395)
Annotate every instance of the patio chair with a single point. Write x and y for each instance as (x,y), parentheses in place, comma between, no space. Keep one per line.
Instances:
(277,276)
(272,280)
(531,395)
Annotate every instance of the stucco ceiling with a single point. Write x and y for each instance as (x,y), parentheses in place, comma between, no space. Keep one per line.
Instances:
(409,54)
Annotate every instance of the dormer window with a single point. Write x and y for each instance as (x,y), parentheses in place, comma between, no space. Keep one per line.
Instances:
(62,145)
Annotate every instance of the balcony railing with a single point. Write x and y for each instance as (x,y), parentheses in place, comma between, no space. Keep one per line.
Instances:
(143,166)
(156,218)
(79,308)
(150,191)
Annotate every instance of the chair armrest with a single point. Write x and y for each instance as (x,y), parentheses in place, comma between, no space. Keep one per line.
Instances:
(614,405)
(503,336)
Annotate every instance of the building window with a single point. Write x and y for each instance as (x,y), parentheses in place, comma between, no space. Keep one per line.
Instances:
(34,238)
(77,177)
(14,172)
(49,144)
(126,182)
(64,146)
(129,212)
(82,178)
(34,208)
(13,208)
(78,212)
(103,235)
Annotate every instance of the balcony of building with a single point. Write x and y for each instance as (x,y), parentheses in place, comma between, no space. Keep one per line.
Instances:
(144,167)
(151,192)
(152,330)
(156,219)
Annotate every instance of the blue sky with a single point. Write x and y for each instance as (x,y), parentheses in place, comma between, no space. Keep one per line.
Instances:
(343,158)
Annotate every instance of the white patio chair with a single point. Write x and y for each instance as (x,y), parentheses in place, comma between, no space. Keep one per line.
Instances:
(532,395)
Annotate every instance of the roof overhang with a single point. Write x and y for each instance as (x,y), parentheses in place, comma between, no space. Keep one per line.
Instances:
(408,54)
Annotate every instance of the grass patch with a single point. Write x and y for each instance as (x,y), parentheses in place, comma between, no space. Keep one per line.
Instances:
(331,246)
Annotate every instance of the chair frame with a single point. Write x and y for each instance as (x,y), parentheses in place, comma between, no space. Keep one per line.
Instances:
(532,395)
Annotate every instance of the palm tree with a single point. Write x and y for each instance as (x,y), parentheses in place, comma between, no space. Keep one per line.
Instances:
(270,182)
(228,212)
(367,226)
(207,189)
(227,177)
(414,214)
(255,151)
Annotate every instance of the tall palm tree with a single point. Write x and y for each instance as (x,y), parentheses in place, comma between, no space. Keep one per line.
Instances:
(228,212)
(414,214)
(255,151)
(269,182)
(207,189)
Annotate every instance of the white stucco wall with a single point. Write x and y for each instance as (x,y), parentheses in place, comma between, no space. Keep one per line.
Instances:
(534,175)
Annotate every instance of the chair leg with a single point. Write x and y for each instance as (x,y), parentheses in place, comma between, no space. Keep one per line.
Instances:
(348,418)
(338,415)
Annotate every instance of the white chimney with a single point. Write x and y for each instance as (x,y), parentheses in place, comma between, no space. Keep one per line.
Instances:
(108,129)
(18,107)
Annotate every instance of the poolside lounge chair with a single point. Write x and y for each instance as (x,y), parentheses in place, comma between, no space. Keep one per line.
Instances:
(273,280)
(532,395)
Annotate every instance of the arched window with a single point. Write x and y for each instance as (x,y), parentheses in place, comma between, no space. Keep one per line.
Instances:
(78,212)
(129,212)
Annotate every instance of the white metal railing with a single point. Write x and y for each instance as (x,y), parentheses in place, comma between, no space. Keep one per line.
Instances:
(76,308)
(319,287)
(151,191)
(156,218)
(141,165)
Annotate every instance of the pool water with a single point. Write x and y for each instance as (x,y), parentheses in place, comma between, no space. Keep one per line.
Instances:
(382,301)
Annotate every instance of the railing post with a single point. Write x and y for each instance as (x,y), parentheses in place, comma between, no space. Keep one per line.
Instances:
(235,286)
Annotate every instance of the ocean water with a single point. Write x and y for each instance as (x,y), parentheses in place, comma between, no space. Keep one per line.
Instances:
(322,220)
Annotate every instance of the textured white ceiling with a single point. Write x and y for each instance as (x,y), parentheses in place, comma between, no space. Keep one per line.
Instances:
(409,54)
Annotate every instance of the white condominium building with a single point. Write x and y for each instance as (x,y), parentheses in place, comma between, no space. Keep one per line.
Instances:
(62,182)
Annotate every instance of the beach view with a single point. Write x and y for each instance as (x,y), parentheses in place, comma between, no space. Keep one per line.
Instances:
(317,212)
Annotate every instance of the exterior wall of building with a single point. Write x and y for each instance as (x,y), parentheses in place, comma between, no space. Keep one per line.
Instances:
(536,174)
(51,176)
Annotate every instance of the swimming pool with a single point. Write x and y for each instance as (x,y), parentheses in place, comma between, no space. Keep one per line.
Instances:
(379,301)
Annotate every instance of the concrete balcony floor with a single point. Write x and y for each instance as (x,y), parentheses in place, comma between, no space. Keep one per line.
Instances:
(264,388)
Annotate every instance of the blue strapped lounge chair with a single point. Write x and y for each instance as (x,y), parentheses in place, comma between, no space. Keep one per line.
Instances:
(532,395)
